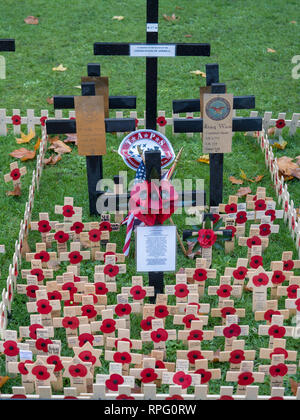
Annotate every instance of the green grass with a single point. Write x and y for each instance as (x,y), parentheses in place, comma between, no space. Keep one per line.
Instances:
(239,32)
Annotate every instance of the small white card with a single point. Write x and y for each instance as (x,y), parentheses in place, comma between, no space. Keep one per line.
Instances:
(152,50)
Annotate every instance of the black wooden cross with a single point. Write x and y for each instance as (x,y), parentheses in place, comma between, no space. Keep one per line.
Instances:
(93,163)
(196,126)
(6,45)
(151,50)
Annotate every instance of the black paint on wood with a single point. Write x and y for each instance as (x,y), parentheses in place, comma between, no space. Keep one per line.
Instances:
(193,105)
(115,102)
(195,125)
(112,125)
(7,45)
(94,69)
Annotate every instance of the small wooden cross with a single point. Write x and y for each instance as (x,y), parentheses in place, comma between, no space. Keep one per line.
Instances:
(87,353)
(85,335)
(255,243)
(123,335)
(237,355)
(70,323)
(108,326)
(110,269)
(181,376)
(239,272)
(68,210)
(38,271)
(86,309)
(289,264)
(200,274)
(271,310)
(278,370)
(30,287)
(93,238)
(137,290)
(147,373)
(226,307)
(259,281)
(99,289)
(79,374)
(181,289)
(224,290)
(58,362)
(291,290)
(15,175)
(206,374)
(44,226)
(293,305)
(76,255)
(123,309)
(245,377)
(275,330)
(231,331)
(124,356)
(40,373)
(115,382)
(110,250)
(44,307)
(278,347)
(158,335)
(48,259)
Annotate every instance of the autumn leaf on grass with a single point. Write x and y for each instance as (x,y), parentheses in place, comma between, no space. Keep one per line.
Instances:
(52,160)
(3,380)
(25,138)
(71,138)
(258,178)
(203,159)
(198,73)
(172,18)
(287,167)
(270,50)
(243,191)
(37,144)
(118,18)
(16,191)
(50,100)
(23,154)
(294,386)
(59,68)
(31,20)
(235,181)
(60,147)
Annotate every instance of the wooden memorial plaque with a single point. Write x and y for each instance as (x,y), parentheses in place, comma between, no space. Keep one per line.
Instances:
(90,125)
(217,123)
(101,89)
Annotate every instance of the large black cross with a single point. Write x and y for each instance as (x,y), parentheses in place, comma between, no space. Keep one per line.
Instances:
(196,126)
(94,164)
(151,50)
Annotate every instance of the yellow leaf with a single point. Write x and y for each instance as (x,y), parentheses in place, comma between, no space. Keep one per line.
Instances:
(118,18)
(203,159)
(243,175)
(37,144)
(235,181)
(59,68)
(3,380)
(282,145)
(198,73)
(258,178)
(25,138)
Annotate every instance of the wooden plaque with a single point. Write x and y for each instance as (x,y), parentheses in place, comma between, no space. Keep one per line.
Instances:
(101,89)
(90,125)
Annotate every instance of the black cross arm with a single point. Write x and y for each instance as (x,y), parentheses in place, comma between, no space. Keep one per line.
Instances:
(193,105)
(196,50)
(195,125)
(115,102)
(112,125)
(7,45)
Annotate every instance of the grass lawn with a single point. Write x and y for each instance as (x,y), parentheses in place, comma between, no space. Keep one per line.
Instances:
(239,32)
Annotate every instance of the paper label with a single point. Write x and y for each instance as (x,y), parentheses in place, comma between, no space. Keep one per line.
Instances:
(152,50)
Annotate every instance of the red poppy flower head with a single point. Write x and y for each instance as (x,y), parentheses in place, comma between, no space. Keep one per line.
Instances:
(265,229)
(205,375)
(187,320)
(108,326)
(146,324)
(206,238)
(39,273)
(44,226)
(260,280)
(87,356)
(288,265)
(260,205)
(159,364)
(32,330)
(161,121)
(123,309)
(127,340)
(122,357)
(253,241)
(194,355)
(68,211)
(256,261)
(85,338)
(15,174)
(42,344)
(227,311)
(105,226)
(161,311)
(95,235)
(240,273)
(111,270)
(233,330)
(292,291)
(276,331)
(279,350)
(278,277)
(75,257)
(196,335)
(268,314)
(78,370)
(100,288)
(89,311)
(278,370)
(61,237)
(224,291)
(71,322)
(22,367)
(43,306)
(16,119)
(31,290)
(41,373)
(77,227)
(280,123)
(181,290)
(241,218)
(137,293)
(245,378)
(231,208)
(11,348)
(114,381)
(215,218)
(200,274)
(43,256)
(43,121)
(55,295)
(182,379)
(272,214)
(148,375)
(236,357)
(56,361)
(159,335)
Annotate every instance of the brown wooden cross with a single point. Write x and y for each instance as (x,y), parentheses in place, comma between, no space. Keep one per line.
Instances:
(79,373)
(110,269)
(49,259)
(124,356)
(76,255)
(245,377)
(278,347)
(38,271)
(116,383)
(44,226)
(137,291)
(237,355)
(15,175)
(278,370)
(254,242)
(110,250)
(231,331)
(158,335)
(225,290)
(123,334)
(123,309)
(275,330)
(225,308)
(259,282)
(147,373)
(200,274)
(68,210)
(239,272)
(40,373)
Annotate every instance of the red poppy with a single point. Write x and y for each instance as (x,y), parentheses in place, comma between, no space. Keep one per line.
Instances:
(41,373)
(159,335)
(39,273)
(123,339)
(161,121)
(279,350)
(108,326)
(265,229)
(11,348)
(278,370)
(85,338)
(95,299)
(32,330)
(78,370)
(245,378)
(89,311)
(280,123)
(122,357)
(68,211)
(196,335)
(15,174)
(276,399)
(146,324)
(77,227)
(224,291)
(200,274)
(272,214)
(297,303)
(161,311)
(18,397)
(55,295)
(43,256)
(42,344)
(236,357)
(71,322)
(228,310)
(292,291)
(159,364)
(123,309)
(56,361)
(187,320)
(100,288)
(260,205)
(233,230)
(256,261)
(206,238)
(241,217)
(43,121)
(253,241)
(94,235)
(226,398)
(44,226)
(268,314)
(288,265)
(61,237)
(240,273)
(30,290)
(148,375)
(278,277)
(137,292)
(43,306)
(22,367)
(70,287)
(231,208)
(114,381)
(111,270)
(87,356)
(124,397)
(194,355)
(286,206)
(181,290)
(180,378)
(215,218)
(75,257)
(233,330)
(16,119)
(260,280)
(105,226)
(70,397)
(205,375)
(174,397)
(276,331)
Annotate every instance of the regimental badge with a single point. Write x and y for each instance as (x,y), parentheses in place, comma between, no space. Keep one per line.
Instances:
(218,109)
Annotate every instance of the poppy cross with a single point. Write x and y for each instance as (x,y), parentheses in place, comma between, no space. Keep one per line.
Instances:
(15,175)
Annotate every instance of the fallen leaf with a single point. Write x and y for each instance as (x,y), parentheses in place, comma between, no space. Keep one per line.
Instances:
(118,18)
(271,131)
(3,380)
(50,100)
(29,155)
(25,138)
(16,191)
(243,191)
(179,8)
(294,386)
(203,159)
(258,178)
(286,166)
(31,20)
(293,21)
(298,159)
(296,173)
(37,144)
(52,160)
(71,138)
(22,153)
(235,181)
(243,175)
(281,145)
(60,147)
(188,36)
(59,68)
(172,18)
(198,73)
(270,50)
